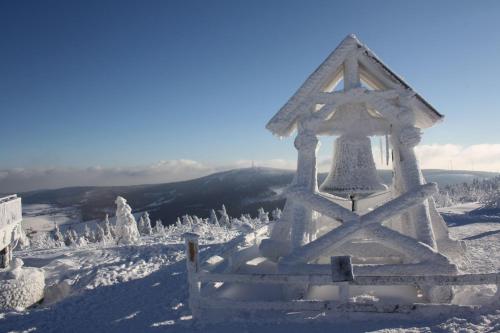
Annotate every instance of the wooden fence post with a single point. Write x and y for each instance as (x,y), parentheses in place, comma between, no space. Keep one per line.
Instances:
(192,264)
(5,257)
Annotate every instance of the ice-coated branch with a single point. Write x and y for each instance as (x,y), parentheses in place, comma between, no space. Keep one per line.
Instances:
(321,204)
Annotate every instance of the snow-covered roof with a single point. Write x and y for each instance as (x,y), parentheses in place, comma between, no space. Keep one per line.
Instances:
(372,71)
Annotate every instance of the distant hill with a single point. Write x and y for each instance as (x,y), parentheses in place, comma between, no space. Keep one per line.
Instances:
(240,190)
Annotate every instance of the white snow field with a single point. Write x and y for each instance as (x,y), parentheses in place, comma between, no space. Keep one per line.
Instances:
(143,288)
(42,217)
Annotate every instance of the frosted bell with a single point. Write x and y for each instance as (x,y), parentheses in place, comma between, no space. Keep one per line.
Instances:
(353,170)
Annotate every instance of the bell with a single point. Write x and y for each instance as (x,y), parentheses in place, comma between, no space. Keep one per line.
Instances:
(353,171)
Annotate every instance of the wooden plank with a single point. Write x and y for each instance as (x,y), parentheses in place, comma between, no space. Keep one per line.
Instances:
(311,305)
(326,279)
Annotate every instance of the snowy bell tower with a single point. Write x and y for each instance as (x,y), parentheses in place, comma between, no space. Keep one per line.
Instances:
(386,231)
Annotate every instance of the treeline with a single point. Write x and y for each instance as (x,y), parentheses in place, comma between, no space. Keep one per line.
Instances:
(485,191)
(106,232)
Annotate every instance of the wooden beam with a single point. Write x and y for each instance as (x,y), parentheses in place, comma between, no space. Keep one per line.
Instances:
(389,210)
(321,204)
(359,280)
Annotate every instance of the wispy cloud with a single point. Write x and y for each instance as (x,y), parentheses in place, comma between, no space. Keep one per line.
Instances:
(484,157)
(18,180)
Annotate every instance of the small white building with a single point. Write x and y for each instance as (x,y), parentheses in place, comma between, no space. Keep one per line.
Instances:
(10,227)
(20,286)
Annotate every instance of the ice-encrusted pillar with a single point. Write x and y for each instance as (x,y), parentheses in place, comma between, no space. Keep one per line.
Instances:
(407,176)
(303,230)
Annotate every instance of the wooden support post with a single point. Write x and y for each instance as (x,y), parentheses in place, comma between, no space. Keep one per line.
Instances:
(302,229)
(192,264)
(6,256)
(352,78)
(407,174)
(344,291)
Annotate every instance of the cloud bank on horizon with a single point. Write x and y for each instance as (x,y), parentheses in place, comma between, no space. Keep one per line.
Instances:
(480,157)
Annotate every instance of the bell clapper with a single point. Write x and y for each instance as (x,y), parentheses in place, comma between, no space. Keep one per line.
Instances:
(354,199)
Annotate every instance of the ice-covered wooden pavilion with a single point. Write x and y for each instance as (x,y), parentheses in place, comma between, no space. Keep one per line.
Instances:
(374,101)
(351,237)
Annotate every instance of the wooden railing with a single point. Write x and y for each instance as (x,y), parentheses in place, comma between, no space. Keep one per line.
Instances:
(201,275)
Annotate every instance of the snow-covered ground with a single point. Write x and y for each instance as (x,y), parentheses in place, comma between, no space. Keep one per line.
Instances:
(43,217)
(142,288)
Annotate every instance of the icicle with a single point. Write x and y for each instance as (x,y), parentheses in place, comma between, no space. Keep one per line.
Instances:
(381,151)
(387,149)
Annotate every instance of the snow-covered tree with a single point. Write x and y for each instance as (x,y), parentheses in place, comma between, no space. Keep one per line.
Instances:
(100,237)
(57,236)
(87,234)
(145,225)
(187,221)
(213,218)
(244,218)
(159,228)
(69,237)
(224,217)
(263,215)
(126,226)
(140,224)
(178,223)
(81,241)
(276,214)
(196,219)
(108,230)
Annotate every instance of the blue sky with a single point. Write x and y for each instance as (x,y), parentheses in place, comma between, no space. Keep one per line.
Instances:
(124,83)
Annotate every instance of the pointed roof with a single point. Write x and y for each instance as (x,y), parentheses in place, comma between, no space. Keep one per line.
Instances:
(372,70)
